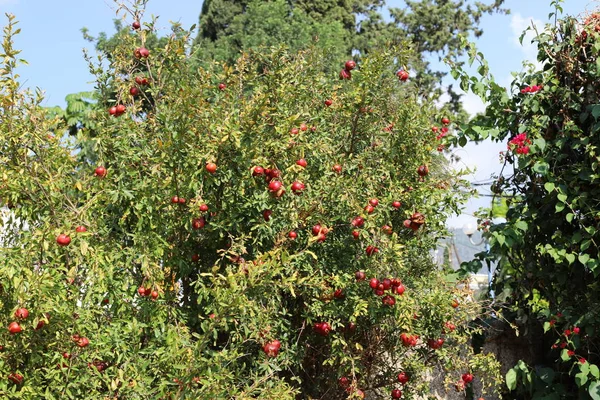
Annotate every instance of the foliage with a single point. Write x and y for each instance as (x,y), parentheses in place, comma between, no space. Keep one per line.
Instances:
(186,273)
(548,249)
(431,27)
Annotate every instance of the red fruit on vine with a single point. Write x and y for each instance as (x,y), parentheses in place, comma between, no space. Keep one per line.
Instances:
(409,340)
(274,186)
(370,250)
(14,327)
(338,294)
(337,168)
(454,303)
(351,327)
(83,342)
(174,200)
(271,349)
(356,234)
(136,25)
(328,102)
(322,328)
(141,291)
(434,129)
(344,382)
(407,223)
(154,295)
(373,283)
(63,240)
(467,378)
(316,229)
(198,223)
(423,170)
(41,323)
(402,75)
(374,202)
(345,75)
(387,229)
(400,289)
(140,80)
(303,127)
(181,200)
(360,276)
(403,378)
(211,167)
(450,326)
(396,204)
(22,313)
(134,91)
(388,300)
(369,209)
(350,65)
(81,229)
(396,394)
(294,131)
(141,52)
(195,257)
(15,378)
(203,207)
(257,170)
(357,221)
(576,330)
(297,187)
(267,215)
(100,172)
(120,109)
(292,235)
(445,121)
(387,283)
(222,86)
(302,162)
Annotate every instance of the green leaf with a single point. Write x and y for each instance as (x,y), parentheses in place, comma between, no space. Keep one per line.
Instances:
(521,225)
(562,197)
(546,326)
(596,108)
(594,390)
(511,379)
(570,258)
(581,379)
(564,355)
(584,258)
(540,143)
(541,167)
(569,217)
(549,186)
(559,207)
(594,371)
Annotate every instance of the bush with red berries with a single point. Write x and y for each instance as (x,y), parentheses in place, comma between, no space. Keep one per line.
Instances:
(549,261)
(191,254)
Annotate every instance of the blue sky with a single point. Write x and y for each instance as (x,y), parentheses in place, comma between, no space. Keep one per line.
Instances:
(52,43)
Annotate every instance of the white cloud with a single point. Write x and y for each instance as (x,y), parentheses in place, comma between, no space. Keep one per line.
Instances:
(472,104)
(518,24)
(7,2)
